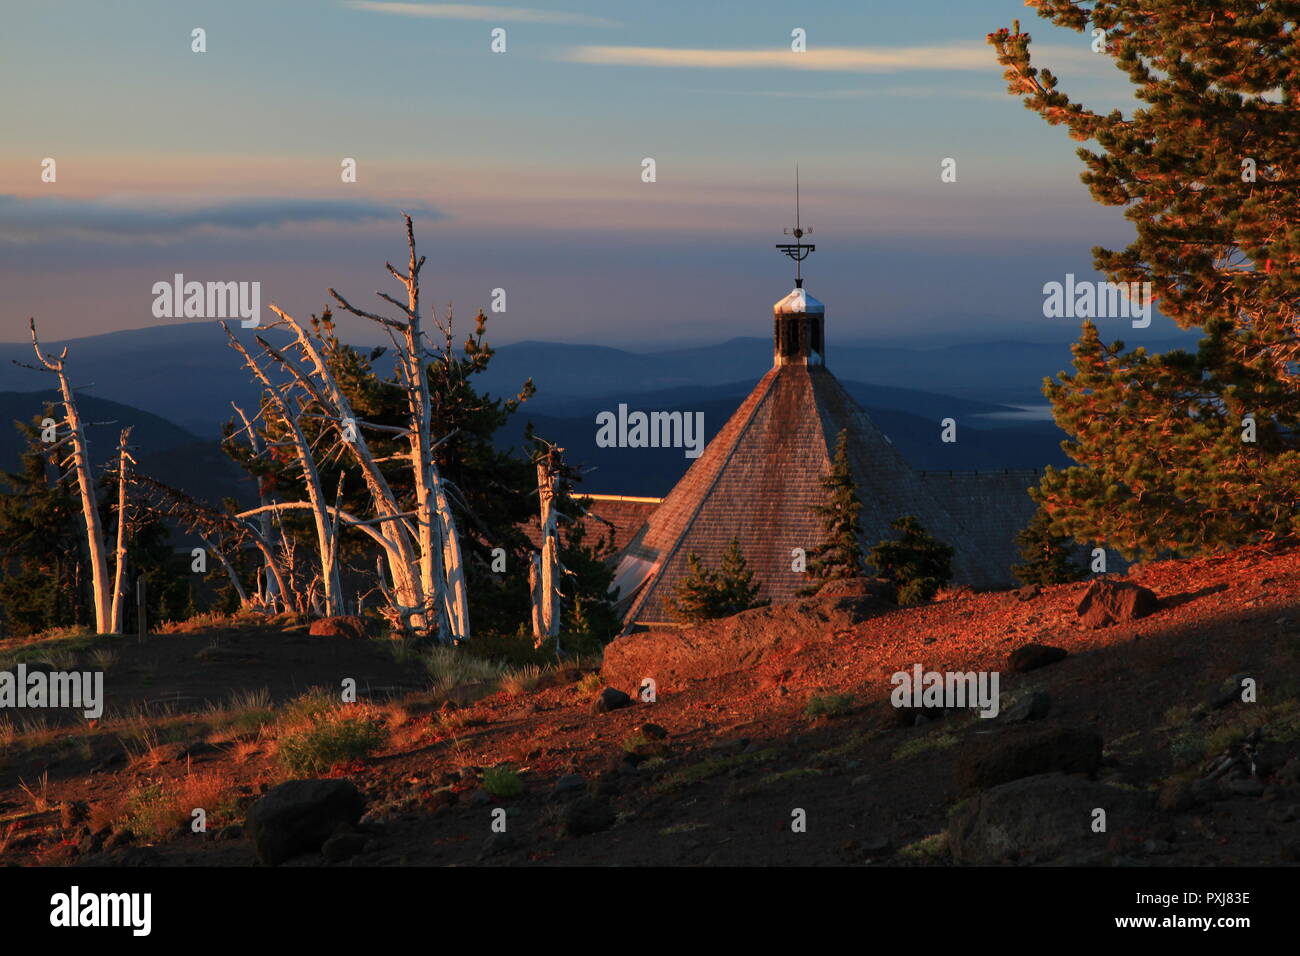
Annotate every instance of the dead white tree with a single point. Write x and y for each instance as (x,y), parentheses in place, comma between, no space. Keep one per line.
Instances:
(545,570)
(287,415)
(419,541)
(269,589)
(442,572)
(124,461)
(79,459)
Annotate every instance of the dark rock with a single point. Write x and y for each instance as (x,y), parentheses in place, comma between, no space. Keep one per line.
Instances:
(653,731)
(571,783)
(1025,751)
(1047,816)
(343,846)
(1034,705)
(588,815)
(299,816)
(1033,656)
(495,844)
(610,699)
(349,626)
(1108,601)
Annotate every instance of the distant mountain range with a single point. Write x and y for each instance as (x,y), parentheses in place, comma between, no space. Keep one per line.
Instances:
(162,450)
(175,383)
(188,374)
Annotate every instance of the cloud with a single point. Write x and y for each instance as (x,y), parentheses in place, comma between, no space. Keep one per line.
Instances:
(955,56)
(466,11)
(34,219)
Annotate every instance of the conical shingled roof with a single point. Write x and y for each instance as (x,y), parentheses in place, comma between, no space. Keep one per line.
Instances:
(759,479)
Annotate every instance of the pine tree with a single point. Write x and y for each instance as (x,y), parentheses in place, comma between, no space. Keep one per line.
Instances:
(41,585)
(1049,558)
(1206,171)
(914,564)
(840,553)
(706,594)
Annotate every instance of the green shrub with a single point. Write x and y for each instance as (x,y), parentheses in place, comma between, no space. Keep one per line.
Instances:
(331,739)
(502,781)
(828,705)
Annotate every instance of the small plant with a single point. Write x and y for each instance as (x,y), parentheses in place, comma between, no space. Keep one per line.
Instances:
(103,658)
(502,781)
(922,745)
(40,797)
(329,739)
(828,705)
(309,705)
(928,849)
(522,681)
(590,684)
(150,812)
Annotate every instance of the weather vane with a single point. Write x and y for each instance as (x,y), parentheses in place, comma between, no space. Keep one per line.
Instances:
(797,250)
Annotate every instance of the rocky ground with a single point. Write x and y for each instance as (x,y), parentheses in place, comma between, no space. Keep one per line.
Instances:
(771,741)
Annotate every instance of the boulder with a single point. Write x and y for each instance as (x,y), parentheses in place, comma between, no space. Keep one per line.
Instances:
(571,783)
(1026,750)
(588,815)
(610,699)
(299,816)
(350,626)
(1045,817)
(1033,656)
(1109,601)
(1028,705)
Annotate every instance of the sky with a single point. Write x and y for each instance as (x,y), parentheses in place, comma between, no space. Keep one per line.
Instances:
(524,168)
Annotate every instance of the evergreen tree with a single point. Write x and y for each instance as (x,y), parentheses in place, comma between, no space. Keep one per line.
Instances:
(1049,558)
(839,555)
(706,594)
(41,584)
(1206,171)
(914,564)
